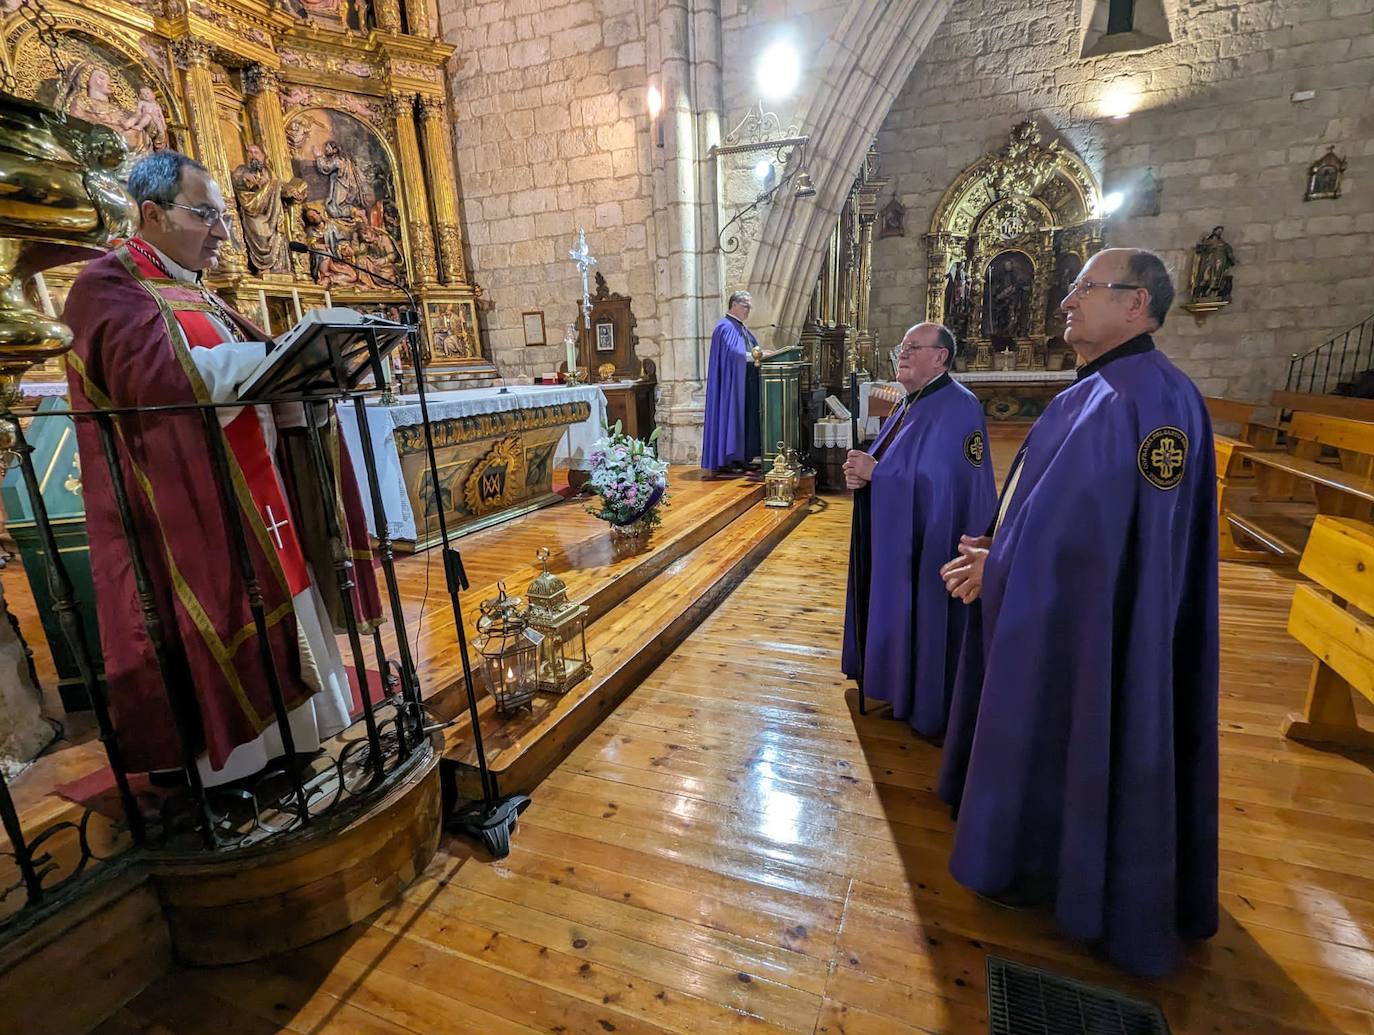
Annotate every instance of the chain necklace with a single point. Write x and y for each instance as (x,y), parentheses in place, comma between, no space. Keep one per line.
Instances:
(146,251)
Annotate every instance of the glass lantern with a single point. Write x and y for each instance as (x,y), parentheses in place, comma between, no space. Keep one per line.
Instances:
(780,484)
(563,658)
(509,650)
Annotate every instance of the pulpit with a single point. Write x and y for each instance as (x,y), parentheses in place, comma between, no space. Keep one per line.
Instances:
(780,381)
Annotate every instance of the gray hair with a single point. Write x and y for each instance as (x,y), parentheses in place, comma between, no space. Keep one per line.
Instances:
(945,340)
(739,296)
(157,178)
(1148,270)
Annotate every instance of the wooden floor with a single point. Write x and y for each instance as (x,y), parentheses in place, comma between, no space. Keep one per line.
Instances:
(735,850)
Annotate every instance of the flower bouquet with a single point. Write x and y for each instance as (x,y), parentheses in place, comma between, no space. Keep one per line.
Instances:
(631,480)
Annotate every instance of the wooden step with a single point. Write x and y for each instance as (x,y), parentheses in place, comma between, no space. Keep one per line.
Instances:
(596,572)
(625,645)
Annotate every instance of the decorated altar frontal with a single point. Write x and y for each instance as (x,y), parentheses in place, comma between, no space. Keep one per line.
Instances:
(497,452)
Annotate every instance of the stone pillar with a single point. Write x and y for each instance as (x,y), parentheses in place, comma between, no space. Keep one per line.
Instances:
(443,189)
(388,15)
(193,58)
(412,173)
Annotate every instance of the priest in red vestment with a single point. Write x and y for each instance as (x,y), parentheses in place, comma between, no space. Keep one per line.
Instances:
(148,333)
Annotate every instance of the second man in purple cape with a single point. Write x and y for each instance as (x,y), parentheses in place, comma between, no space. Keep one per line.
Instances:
(731,436)
(926,481)
(1081,757)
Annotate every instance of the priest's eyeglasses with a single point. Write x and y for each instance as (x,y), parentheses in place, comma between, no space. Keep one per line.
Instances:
(1085,287)
(207,214)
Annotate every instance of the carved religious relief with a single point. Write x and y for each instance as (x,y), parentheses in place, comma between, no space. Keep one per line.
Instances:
(261,197)
(102,82)
(452,331)
(350,208)
(998,247)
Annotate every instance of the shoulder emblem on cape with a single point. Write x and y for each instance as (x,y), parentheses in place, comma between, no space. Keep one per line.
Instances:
(1162,456)
(973,448)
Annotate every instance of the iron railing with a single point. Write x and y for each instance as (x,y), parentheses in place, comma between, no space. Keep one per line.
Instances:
(1333,366)
(358,766)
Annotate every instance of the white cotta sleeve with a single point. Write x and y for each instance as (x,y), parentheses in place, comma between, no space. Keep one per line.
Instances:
(223,367)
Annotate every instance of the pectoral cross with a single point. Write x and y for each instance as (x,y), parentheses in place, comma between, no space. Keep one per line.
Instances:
(585,261)
(273,525)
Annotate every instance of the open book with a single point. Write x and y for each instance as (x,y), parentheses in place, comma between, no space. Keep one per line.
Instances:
(327,351)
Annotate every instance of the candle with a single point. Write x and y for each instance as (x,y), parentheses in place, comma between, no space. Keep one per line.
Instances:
(296,303)
(571,346)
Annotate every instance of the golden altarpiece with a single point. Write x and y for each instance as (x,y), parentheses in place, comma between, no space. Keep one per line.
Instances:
(324,121)
(1007,239)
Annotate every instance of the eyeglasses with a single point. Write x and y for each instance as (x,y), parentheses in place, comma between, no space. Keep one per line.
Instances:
(1084,287)
(208,214)
(906,349)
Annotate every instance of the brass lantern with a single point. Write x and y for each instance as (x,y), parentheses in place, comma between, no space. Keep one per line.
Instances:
(563,658)
(509,650)
(780,484)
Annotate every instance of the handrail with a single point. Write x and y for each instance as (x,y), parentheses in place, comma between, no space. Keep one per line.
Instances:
(1313,372)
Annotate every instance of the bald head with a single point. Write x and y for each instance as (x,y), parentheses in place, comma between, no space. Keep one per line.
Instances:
(926,352)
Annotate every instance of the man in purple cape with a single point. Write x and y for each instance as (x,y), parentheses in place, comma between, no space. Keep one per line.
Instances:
(1081,757)
(926,481)
(731,435)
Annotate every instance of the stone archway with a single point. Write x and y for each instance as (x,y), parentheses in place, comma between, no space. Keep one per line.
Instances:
(863,67)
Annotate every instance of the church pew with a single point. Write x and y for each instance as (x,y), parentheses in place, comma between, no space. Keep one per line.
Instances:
(1249,427)
(1231,472)
(1344,406)
(1344,488)
(1339,558)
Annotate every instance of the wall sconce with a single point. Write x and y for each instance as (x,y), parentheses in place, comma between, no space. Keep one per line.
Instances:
(654,99)
(754,135)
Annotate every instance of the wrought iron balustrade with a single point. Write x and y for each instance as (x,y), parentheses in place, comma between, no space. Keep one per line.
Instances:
(43,865)
(1333,366)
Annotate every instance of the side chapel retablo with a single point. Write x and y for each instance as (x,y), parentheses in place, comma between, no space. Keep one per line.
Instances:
(324,121)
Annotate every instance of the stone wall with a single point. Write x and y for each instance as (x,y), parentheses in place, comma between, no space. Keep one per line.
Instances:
(1215,122)
(551,135)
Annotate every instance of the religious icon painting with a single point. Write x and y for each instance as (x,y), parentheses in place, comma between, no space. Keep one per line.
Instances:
(1162,456)
(1324,177)
(605,336)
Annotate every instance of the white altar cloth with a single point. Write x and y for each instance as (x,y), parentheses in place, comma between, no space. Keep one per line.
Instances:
(574,449)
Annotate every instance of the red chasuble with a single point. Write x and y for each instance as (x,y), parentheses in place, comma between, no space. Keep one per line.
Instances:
(134,328)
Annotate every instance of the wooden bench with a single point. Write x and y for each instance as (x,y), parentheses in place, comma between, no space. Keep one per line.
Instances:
(1231,476)
(1344,406)
(1256,430)
(1342,486)
(1339,558)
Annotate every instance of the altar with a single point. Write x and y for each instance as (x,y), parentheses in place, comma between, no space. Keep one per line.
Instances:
(497,451)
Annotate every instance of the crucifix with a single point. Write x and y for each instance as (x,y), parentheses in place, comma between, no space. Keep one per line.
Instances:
(585,261)
(273,525)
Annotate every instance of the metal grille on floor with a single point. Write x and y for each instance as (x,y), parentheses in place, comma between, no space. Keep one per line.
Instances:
(1025,1000)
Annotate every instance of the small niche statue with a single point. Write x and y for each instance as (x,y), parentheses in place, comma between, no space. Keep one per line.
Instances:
(1209,286)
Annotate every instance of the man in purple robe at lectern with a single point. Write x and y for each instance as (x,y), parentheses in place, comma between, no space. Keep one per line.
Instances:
(926,482)
(731,436)
(1081,756)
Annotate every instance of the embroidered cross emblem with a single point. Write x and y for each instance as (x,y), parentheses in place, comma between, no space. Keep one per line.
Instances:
(1165,457)
(273,525)
(1162,457)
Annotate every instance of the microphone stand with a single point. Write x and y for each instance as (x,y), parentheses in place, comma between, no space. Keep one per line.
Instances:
(491,819)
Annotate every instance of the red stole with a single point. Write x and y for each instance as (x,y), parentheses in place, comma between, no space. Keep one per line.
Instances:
(244,433)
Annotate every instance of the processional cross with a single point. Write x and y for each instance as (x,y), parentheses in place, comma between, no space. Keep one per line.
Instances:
(585,261)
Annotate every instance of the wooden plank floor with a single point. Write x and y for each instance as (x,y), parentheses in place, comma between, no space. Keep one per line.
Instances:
(735,850)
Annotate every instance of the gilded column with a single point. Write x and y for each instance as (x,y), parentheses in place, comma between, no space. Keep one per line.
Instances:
(388,15)
(193,57)
(264,108)
(443,189)
(402,107)
(417,18)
